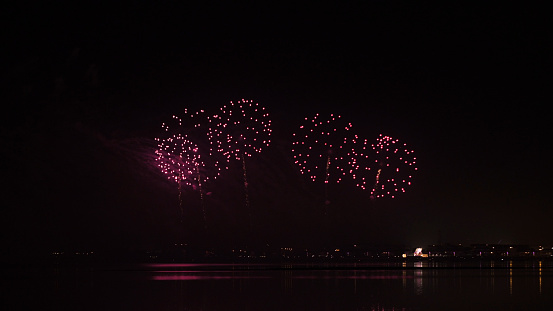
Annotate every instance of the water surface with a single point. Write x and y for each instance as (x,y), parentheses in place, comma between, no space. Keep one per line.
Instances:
(501,285)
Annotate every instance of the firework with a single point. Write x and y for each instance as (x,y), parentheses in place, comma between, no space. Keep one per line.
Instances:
(187,139)
(319,150)
(179,159)
(241,129)
(386,168)
(184,154)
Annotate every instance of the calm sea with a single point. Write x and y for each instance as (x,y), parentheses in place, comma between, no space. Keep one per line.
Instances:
(487,285)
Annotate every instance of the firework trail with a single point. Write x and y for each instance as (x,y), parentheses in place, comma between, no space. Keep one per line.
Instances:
(386,168)
(240,130)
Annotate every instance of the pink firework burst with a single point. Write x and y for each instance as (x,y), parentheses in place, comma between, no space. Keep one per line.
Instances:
(318,148)
(240,129)
(386,168)
(179,159)
(185,155)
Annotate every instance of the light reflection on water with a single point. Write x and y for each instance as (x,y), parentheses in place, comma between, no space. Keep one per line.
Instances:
(387,286)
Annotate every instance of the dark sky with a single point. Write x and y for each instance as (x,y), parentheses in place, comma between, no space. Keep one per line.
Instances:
(87,88)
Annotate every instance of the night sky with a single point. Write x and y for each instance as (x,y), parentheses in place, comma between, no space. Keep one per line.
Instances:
(86,89)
